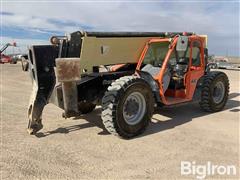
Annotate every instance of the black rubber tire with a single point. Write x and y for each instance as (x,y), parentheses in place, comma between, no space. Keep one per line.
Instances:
(206,102)
(112,106)
(86,107)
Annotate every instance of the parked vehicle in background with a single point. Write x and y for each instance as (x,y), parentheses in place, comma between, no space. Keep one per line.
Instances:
(218,62)
(6,58)
(212,65)
(14,59)
(223,64)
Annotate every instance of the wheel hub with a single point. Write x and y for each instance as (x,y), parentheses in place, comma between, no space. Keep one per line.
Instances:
(131,107)
(218,92)
(134,108)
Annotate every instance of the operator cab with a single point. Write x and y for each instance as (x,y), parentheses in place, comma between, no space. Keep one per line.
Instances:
(182,66)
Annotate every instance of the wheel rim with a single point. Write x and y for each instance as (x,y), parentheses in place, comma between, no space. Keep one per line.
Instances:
(134,108)
(218,92)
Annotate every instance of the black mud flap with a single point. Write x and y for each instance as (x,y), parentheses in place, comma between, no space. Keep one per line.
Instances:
(41,64)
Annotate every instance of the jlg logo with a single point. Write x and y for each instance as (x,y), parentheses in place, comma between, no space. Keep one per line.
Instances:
(194,81)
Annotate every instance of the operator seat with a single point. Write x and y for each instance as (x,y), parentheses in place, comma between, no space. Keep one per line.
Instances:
(154,71)
(179,72)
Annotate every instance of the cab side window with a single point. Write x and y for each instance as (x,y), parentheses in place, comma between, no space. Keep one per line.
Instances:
(196,60)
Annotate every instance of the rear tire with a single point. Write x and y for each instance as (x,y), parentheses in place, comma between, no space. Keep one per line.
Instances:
(215,91)
(127,107)
(86,107)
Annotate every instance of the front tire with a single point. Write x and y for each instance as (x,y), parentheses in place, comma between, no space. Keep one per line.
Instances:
(127,106)
(215,91)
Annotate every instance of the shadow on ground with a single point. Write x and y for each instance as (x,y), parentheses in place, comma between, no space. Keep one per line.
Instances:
(178,115)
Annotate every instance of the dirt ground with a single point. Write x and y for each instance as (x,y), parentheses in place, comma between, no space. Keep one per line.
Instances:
(80,148)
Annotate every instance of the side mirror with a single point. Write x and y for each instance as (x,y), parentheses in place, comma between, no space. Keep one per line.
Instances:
(182,43)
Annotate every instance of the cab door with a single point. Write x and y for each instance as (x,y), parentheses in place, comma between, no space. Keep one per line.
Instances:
(196,66)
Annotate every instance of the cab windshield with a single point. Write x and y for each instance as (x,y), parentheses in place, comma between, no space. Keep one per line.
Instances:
(156,53)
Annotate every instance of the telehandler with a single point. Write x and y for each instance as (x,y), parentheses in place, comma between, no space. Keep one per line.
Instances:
(127,73)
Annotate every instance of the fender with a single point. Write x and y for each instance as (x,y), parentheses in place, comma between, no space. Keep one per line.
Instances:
(152,83)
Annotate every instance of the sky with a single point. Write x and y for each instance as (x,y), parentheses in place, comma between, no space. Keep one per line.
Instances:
(34,22)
